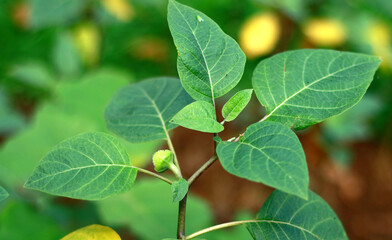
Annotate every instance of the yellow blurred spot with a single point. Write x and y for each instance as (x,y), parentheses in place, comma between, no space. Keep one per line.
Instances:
(325,32)
(88,42)
(93,232)
(379,37)
(121,9)
(259,34)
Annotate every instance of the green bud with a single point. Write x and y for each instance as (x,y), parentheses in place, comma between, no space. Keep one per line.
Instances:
(162,160)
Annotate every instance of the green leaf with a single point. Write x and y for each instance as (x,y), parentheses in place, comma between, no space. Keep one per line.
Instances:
(141,112)
(269,153)
(285,216)
(236,104)
(22,221)
(209,63)
(199,116)
(33,74)
(46,13)
(303,87)
(3,194)
(149,206)
(90,166)
(65,55)
(179,189)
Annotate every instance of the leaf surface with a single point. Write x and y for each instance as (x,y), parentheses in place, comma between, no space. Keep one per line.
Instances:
(210,63)
(179,189)
(199,116)
(284,216)
(236,104)
(303,87)
(269,153)
(3,194)
(93,232)
(89,166)
(142,112)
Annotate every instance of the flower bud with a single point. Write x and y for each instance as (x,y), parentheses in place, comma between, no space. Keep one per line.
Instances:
(162,160)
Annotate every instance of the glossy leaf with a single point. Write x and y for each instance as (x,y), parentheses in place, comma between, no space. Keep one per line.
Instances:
(303,87)
(284,216)
(90,166)
(269,153)
(93,232)
(199,116)
(3,194)
(209,63)
(179,189)
(141,112)
(149,206)
(236,104)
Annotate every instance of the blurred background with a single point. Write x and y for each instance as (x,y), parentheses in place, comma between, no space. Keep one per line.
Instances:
(62,60)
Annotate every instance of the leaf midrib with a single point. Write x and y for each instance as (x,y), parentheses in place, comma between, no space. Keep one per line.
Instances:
(202,53)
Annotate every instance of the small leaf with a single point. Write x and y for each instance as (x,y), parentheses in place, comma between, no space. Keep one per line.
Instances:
(65,55)
(285,216)
(303,87)
(236,104)
(179,189)
(93,232)
(199,116)
(141,112)
(90,166)
(3,194)
(210,63)
(269,153)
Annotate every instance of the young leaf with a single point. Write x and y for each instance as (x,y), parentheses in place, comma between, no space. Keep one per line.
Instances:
(285,216)
(209,63)
(303,87)
(269,153)
(236,104)
(179,189)
(199,116)
(3,194)
(141,112)
(93,232)
(90,166)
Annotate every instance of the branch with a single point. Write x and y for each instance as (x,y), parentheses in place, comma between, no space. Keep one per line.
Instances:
(221,226)
(202,169)
(153,174)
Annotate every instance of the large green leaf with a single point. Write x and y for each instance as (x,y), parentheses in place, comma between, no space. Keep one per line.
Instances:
(90,166)
(142,112)
(269,153)
(78,107)
(236,104)
(303,87)
(210,63)
(200,116)
(285,216)
(3,194)
(149,206)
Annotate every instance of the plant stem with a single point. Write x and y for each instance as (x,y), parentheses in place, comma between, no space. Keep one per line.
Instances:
(202,169)
(220,226)
(171,147)
(153,174)
(181,218)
